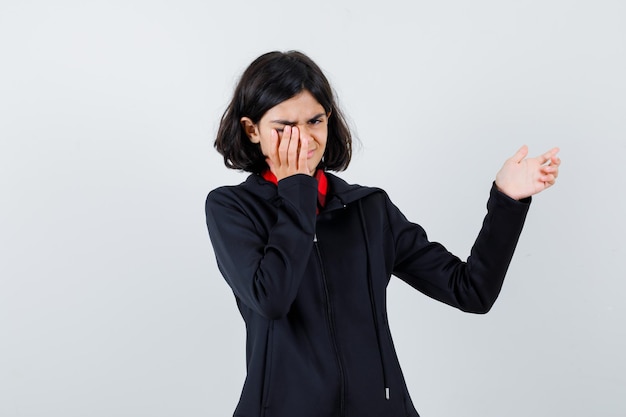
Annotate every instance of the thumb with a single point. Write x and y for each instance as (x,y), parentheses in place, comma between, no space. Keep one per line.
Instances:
(520,154)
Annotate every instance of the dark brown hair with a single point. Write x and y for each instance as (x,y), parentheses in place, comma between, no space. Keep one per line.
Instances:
(271,79)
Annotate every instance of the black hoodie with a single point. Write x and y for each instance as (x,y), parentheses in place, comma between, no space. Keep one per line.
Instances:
(312,289)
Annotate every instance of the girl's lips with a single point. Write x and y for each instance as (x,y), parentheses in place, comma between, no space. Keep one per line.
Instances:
(310,153)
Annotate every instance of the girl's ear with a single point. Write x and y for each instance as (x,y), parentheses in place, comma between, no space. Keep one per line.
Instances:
(251,129)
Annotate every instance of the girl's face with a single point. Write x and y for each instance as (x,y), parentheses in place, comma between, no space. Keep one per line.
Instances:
(302,111)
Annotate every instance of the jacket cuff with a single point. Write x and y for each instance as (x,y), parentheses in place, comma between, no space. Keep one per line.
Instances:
(503,200)
(299,190)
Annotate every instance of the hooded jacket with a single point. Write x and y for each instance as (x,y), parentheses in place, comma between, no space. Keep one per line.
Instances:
(312,289)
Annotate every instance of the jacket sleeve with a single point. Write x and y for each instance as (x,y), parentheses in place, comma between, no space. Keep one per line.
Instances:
(471,286)
(263,268)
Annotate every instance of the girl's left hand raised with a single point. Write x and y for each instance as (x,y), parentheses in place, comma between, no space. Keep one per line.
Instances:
(521,177)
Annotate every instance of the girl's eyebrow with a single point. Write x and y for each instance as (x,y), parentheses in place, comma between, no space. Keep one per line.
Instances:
(317,116)
(290,123)
(284,122)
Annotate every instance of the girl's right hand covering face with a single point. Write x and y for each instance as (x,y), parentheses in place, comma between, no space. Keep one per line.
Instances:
(288,153)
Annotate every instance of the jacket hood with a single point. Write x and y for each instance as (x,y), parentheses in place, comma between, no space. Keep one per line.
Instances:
(348,193)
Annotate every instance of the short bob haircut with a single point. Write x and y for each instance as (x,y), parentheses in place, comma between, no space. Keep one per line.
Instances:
(271,79)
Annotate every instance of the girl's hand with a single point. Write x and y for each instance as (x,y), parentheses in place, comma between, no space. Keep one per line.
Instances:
(520,178)
(288,154)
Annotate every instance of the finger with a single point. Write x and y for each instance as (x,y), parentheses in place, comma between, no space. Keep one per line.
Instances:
(520,154)
(551,174)
(294,143)
(302,157)
(555,161)
(273,151)
(548,155)
(549,169)
(283,147)
(547,177)
(271,159)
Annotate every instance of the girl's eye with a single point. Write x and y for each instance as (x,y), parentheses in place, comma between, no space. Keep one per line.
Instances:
(315,121)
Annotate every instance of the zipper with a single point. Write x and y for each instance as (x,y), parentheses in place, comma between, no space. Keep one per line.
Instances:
(370,287)
(331,325)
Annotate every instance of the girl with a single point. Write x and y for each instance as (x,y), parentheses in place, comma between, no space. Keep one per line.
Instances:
(309,257)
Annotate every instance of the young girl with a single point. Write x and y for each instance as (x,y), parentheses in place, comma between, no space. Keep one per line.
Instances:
(309,257)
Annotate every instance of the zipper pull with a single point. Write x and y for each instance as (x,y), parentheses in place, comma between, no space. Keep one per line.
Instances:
(315,238)
(386,393)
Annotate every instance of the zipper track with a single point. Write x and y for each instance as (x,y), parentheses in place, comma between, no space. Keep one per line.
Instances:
(331,325)
(370,287)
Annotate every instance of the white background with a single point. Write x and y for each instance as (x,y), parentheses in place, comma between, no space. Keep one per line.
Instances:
(110,300)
